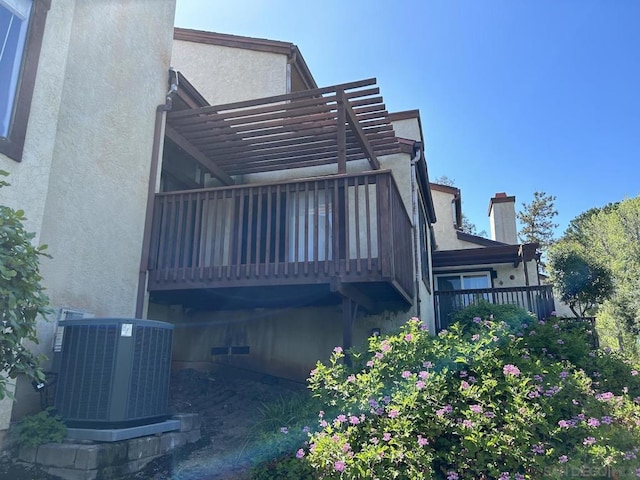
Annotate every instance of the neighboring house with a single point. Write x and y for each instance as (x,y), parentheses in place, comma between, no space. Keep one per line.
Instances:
(267,218)
(468,268)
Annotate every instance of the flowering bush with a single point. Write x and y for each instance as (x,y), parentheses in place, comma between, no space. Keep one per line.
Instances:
(481,401)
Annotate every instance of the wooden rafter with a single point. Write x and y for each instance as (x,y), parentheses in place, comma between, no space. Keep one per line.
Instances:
(316,127)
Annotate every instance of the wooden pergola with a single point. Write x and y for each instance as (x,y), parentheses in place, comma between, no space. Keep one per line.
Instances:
(322,126)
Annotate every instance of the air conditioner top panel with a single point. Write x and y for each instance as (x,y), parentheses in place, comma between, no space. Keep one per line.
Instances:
(116,321)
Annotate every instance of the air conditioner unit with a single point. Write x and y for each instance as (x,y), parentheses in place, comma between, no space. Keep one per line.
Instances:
(113,372)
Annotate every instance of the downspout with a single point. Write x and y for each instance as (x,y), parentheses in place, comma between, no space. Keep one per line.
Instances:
(158,135)
(417,154)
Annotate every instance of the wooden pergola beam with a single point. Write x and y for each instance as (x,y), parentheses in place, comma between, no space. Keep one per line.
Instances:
(200,157)
(362,138)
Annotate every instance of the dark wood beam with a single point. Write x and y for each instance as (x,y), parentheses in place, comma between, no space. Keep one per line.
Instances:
(201,158)
(342,132)
(346,290)
(362,138)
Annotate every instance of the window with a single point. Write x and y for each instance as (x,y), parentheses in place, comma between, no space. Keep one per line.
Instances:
(21,31)
(449,299)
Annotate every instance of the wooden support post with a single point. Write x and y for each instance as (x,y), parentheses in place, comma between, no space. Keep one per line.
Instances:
(347,329)
(341,131)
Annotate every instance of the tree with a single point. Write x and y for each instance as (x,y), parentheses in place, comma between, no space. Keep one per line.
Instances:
(537,220)
(611,235)
(583,283)
(470,228)
(22,298)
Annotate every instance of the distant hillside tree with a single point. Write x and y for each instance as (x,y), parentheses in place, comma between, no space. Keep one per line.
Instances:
(581,281)
(611,235)
(536,219)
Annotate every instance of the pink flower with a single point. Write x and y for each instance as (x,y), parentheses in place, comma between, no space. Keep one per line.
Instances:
(393,413)
(408,337)
(475,337)
(338,350)
(422,441)
(300,453)
(634,372)
(353,420)
(604,397)
(420,384)
(464,385)
(386,437)
(593,422)
(427,364)
(476,408)
(563,459)
(589,441)
(510,369)
(423,375)
(406,374)
(379,355)
(339,466)
(351,378)
(341,418)
(384,346)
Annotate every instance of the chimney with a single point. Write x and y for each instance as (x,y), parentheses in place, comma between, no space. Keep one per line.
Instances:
(502,217)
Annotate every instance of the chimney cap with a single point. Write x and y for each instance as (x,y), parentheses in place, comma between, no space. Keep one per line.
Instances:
(501,197)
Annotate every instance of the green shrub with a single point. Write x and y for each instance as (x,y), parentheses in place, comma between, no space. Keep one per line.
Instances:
(282,430)
(44,427)
(512,315)
(22,297)
(483,401)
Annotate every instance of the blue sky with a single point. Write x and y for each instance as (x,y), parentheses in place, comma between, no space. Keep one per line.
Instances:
(514,96)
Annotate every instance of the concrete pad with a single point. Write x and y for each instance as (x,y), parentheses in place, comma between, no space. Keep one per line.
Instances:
(117,434)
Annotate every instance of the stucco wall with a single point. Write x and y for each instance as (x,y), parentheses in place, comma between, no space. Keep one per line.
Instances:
(102,74)
(285,343)
(408,128)
(226,74)
(30,178)
(504,272)
(444,230)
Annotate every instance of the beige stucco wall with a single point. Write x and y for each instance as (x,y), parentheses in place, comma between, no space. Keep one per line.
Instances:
(408,128)
(84,177)
(225,74)
(285,343)
(502,220)
(504,272)
(444,229)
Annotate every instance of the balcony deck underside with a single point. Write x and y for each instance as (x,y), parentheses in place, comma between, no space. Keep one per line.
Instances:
(225,288)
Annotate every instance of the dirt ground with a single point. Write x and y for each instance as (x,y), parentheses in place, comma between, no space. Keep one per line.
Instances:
(229,403)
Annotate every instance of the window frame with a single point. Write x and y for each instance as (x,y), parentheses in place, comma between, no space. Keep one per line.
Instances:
(13,144)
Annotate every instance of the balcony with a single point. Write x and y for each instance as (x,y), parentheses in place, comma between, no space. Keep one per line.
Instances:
(536,299)
(303,242)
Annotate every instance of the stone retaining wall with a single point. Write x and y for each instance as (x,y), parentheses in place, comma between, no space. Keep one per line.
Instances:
(89,460)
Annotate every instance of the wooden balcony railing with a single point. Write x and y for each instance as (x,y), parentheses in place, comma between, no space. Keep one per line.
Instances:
(537,299)
(351,227)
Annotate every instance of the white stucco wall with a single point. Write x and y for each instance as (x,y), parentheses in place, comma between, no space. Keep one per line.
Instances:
(225,74)
(84,177)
